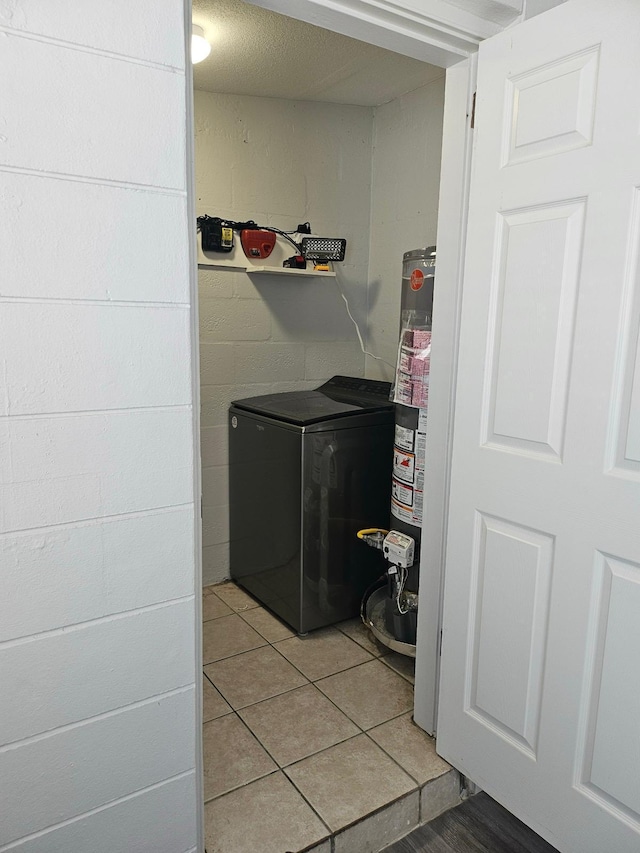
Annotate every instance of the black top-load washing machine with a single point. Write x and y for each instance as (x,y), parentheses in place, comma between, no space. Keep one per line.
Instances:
(307,470)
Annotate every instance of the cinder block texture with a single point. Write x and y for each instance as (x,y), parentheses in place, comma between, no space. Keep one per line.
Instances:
(368,175)
(164,816)
(214,445)
(115,663)
(215,563)
(56,470)
(75,357)
(128,130)
(91,256)
(97,532)
(119,565)
(289,162)
(215,525)
(146,36)
(84,767)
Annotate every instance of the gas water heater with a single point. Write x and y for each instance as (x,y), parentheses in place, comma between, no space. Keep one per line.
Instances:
(390,610)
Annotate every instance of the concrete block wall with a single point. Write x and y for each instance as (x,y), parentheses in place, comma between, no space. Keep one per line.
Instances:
(97,607)
(407,147)
(371,175)
(280,163)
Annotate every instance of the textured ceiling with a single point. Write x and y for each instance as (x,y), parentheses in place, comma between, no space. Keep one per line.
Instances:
(258,52)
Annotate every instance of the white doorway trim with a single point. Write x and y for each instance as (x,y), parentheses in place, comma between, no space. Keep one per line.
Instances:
(195,415)
(457,139)
(449,42)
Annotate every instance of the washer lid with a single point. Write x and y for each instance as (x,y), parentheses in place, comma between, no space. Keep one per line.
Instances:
(340,397)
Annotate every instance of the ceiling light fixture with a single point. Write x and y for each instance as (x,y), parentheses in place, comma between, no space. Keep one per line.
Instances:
(200,47)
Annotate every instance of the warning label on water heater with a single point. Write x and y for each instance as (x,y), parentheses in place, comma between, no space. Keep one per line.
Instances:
(401,494)
(407,484)
(404,438)
(404,465)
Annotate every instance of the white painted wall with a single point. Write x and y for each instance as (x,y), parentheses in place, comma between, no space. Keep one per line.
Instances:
(407,146)
(280,163)
(97,657)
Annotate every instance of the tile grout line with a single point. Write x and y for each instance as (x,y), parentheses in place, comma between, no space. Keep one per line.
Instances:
(395,761)
(240,786)
(299,687)
(264,610)
(284,767)
(235,654)
(225,713)
(360,732)
(260,701)
(281,769)
(417,789)
(346,669)
(364,731)
(313,809)
(273,646)
(310,681)
(384,722)
(331,833)
(278,769)
(284,693)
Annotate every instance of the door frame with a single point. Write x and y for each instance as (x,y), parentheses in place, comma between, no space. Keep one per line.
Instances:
(451,44)
(190,171)
(453,204)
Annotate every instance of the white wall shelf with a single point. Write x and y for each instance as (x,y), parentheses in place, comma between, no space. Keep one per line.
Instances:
(256,270)
(210,265)
(288,271)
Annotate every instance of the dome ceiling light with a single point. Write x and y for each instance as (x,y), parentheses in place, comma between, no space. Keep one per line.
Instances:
(200,47)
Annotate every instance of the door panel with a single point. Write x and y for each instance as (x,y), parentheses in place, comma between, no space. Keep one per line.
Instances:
(613,702)
(540,684)
(513,563)
(626,422)
(531,326)
(551,108)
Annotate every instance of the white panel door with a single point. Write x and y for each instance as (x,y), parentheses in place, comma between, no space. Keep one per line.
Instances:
(540,684)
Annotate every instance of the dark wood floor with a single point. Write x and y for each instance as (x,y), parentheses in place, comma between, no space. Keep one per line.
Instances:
(478,825)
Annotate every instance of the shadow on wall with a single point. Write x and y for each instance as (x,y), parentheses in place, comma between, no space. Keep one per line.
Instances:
(313,309)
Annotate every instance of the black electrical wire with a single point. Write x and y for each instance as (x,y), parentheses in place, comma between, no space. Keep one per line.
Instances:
(248,225)
(284,234)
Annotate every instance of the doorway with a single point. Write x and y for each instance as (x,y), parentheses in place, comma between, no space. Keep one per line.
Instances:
(348,137)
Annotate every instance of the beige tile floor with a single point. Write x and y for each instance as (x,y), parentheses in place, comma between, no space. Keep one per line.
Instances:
(308,741)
